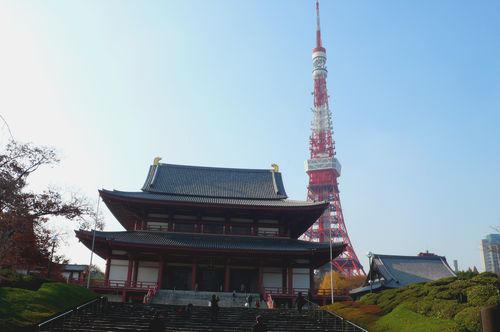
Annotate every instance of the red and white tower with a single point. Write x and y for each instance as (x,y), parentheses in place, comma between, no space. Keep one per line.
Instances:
(324,169)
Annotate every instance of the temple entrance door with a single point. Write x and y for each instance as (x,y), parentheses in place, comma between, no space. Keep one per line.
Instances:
(247,277)
(178,277)
(210,279)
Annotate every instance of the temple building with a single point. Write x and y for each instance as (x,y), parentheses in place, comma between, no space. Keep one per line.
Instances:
(209,229)
(394,271)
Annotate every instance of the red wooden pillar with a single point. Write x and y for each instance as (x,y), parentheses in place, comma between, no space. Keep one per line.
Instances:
(129,272)
(161,268)
(193,276)
(260,283)
(106,273)
(136,271)
(290,280)
(284,280)
(227,276)
(311,280)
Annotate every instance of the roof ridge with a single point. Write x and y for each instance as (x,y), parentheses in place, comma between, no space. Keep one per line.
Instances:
(436,257)
(260,170)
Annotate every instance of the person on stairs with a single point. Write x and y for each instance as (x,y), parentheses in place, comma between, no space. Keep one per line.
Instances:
(259,326)
(157,324)
(214,308)
(300,301)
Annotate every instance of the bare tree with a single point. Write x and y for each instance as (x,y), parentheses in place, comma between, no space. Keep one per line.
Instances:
(24,237)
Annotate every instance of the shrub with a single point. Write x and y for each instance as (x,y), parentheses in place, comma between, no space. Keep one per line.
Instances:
(469,319)
(9,278)
(441,282)
(487,278)
(495,299)
(479,295)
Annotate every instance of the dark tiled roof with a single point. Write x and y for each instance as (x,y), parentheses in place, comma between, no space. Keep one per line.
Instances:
(211,200)
(212,241)
(75,267)
(403,270)
(215,182)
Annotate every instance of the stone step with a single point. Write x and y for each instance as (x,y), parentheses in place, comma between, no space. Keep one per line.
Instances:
(121,317)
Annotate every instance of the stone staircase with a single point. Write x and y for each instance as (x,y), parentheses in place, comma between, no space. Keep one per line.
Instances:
(124,317)
(179,297)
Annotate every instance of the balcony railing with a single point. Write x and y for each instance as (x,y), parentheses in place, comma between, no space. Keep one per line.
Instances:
(143,285)
(159,228)
(305,291)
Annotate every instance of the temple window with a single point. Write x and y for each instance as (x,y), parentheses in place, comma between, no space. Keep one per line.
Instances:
(241,230)
(213,228)
(268,231)
(157,226)
(184,227)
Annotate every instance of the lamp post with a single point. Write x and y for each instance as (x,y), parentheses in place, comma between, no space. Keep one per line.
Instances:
(93,242)
(54,239)
(370,281)
(331,261)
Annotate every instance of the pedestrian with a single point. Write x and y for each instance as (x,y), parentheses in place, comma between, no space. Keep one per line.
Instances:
(234,295)
(300,301)
(188,312)
(249,300)
(259,326)
(157,324)
(257,304)
(214,308)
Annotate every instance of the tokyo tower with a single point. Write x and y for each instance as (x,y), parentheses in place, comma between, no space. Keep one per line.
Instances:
(323,169)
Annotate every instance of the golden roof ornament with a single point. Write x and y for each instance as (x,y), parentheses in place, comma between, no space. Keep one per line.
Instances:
(156,161)
(275,167)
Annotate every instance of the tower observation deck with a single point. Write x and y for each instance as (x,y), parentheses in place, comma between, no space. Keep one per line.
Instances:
(323,169)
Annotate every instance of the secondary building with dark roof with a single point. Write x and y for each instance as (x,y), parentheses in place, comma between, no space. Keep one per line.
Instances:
(392,271)
(210,229)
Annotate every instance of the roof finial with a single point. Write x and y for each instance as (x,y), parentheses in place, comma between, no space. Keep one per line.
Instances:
(275,167)
(156,161)
(318,28)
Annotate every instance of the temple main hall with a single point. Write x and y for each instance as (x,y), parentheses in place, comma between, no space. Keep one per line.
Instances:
(209,229)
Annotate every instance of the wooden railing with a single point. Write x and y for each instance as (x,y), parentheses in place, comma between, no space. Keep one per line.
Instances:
(305,291)
(96,283)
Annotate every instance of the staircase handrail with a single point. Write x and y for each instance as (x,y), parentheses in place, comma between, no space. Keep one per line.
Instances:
(150,294)
(348,322)
(318,313)
(64,315)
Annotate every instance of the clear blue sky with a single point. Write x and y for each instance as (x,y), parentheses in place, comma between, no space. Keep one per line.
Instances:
(414,86)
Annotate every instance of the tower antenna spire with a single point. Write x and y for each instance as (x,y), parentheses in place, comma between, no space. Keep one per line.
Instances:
(318,27)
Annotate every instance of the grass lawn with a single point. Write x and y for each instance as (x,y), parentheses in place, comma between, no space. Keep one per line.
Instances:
(21,307)
(403,319)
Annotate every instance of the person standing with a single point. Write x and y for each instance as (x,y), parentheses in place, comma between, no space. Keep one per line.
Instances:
(259,326)
(214,308)
(300,301)
(249,300)
(157,324)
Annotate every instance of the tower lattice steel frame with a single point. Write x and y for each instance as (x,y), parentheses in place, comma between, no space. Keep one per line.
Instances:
(324,169)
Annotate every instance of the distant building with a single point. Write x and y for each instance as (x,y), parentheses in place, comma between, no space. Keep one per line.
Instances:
(490,250)
(391,271)
(74,272)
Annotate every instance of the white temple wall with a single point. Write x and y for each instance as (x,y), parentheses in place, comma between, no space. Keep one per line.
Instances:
(118,269)
(148,271)
(301,278)
(272,277)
